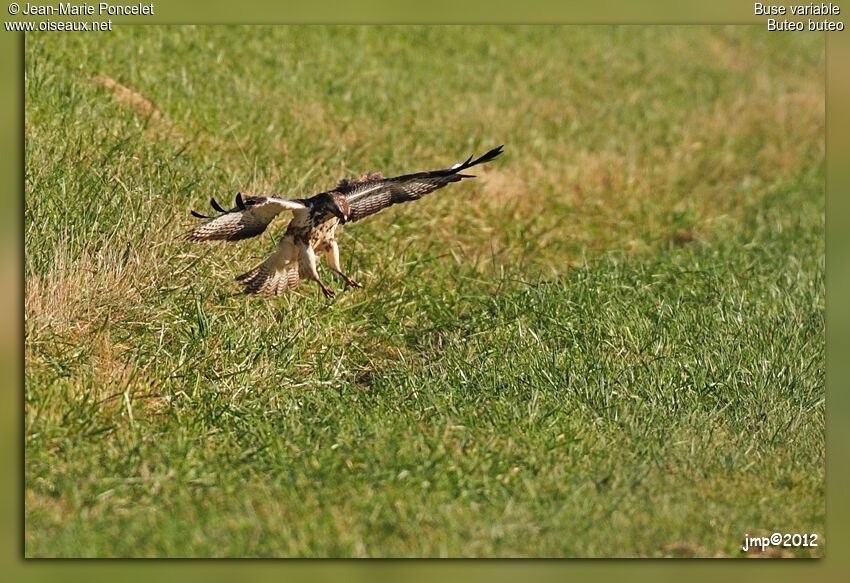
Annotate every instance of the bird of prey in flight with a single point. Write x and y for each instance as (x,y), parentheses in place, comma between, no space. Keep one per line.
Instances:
(312,230)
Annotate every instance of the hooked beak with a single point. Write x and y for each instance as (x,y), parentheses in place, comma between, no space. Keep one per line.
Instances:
(339,214)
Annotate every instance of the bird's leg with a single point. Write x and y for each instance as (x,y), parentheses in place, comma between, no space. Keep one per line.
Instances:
(308,263)
(326,290)
(332,255)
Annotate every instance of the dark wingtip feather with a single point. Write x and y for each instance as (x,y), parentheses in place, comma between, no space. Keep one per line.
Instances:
(217,206)
(199,215)
(239,202)
(490,155)
(485,158)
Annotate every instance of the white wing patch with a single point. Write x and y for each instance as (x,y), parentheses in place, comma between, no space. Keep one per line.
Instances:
(361,193)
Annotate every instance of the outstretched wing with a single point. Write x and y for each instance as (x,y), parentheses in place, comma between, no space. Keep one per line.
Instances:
(374,193)
(250,217)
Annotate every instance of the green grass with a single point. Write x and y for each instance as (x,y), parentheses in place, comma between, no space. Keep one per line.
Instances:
(611,343)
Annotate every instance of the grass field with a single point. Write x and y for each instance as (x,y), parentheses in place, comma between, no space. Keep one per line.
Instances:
(610,343)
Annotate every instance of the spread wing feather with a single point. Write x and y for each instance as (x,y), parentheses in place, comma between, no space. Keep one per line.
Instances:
(249,218)
(372,194)
(276,274)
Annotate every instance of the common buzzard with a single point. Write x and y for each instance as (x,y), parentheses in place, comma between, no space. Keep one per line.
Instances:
(312,230)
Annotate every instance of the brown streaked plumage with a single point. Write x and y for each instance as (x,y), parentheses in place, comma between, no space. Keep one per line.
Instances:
(312,231)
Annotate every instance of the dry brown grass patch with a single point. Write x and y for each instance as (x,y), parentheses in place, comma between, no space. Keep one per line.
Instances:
(81,293)
(159,124)
(129,97)
(504,189)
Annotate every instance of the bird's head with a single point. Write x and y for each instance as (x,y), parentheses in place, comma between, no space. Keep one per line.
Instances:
(339,208)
